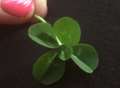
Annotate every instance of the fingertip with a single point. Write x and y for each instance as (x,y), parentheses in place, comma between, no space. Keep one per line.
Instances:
(41,7)
(8,16)
(5,18)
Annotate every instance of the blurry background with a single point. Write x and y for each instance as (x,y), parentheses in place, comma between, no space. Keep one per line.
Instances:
(100,24)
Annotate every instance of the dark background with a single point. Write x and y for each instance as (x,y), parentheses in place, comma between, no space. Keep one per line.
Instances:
(100,24)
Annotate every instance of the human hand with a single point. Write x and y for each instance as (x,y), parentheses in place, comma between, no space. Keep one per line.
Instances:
(21,11)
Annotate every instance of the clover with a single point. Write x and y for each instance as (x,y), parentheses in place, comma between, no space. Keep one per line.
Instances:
(63,40)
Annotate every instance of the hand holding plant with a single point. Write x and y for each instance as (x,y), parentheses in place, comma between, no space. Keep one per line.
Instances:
(63,38)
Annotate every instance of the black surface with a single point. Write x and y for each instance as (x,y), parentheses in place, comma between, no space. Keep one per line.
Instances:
(100,24)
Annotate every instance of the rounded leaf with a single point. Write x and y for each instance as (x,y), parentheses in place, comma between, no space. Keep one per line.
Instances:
(54,73)
(86,57)
(67,31)
(42,34)
(41,66)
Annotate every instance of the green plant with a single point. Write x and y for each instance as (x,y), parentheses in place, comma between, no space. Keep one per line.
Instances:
(63,39)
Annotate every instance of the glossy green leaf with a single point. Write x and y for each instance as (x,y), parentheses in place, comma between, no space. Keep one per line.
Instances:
(54,73)
(67,31)
(86,57)
(65,53)
(42,34)
(41,66)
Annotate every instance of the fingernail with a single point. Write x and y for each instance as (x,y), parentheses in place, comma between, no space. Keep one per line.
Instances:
(19,8)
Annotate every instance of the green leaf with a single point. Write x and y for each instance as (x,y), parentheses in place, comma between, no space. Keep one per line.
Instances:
(54,73)
(42,34)
(86,57)
(65,53)
(41,66)
(67,31)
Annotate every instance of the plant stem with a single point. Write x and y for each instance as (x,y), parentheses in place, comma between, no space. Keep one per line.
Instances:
(59,42)
(40,18)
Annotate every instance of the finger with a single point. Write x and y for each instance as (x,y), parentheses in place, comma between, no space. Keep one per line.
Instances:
(8,13)
(41,7)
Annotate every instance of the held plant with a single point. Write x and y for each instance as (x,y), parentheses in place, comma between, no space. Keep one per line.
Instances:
(63,38)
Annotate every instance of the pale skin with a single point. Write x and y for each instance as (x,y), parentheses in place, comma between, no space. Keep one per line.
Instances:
(40,9)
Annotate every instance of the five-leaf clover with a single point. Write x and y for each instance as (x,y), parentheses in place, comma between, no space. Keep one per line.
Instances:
(63,40)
